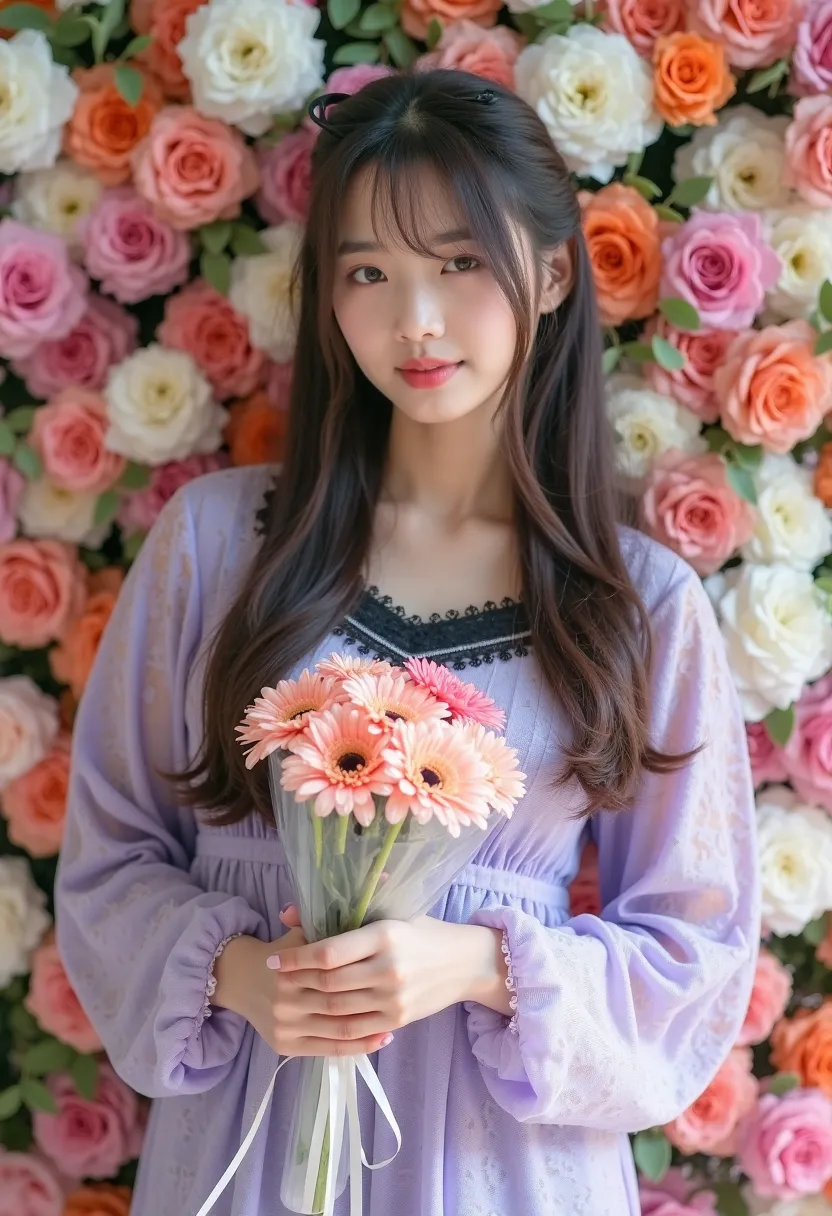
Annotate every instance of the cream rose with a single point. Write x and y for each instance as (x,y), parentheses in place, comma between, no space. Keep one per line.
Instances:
(261,289)
(160,408)
(794,842)
(793,526)
(37,97)
(802,239)
(745,154)
(56,199)
(49,510)
(29,722)
(23,917)
(647,424)
(806,1205)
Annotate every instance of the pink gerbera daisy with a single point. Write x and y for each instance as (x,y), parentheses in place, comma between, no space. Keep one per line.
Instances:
(390,699)
(338,763)
(279,714)
(342,666)
(436,772)
(465,701)
(506,782)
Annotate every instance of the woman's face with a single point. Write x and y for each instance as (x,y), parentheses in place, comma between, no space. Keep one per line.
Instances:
(434,334)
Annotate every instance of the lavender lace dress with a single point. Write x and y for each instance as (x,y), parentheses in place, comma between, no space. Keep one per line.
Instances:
(623,1019)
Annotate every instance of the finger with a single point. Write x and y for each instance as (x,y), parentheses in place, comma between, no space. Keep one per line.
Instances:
(339,1047)
(345,1030)
(333,952)
(290,917)
(293,938)
(308,1001)
(352,978)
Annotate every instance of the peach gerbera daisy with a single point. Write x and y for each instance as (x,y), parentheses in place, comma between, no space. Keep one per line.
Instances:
(389,699)
(279,714)
(338,763)
(436,772)
(465,701)
(506,782)
(342,666)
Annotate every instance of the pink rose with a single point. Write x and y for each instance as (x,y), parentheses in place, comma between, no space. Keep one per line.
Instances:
(808,754)
(203,323)
(286,177)
(690,506)
(90,1138)
(193,169)
(35,803)
(11,488)
(643,22)
(69,434)
(769,998)
(709,1125)
(42,294)
(721,265)
(812,62)
(673,1197)
(785,1145)
(693,384)
(766,757)
(42,586)
(466,47)
(28,1186)
(52,1001)
(279,385)
(140,509)
(105,335)
(754,34)
(132,251)
(809,150)
(350,80)
(584,891)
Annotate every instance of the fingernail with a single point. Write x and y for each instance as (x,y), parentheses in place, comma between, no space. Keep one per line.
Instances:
(285,908)
(386,1041)
(273,961)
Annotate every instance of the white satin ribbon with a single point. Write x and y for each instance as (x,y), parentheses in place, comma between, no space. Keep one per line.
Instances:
(337,1104)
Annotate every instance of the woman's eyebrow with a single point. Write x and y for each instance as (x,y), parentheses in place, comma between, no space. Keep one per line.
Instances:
(453,237)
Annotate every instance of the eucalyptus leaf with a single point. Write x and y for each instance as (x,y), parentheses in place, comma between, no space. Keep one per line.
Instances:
(132,545)
(356,52)
(134,477)
(556,10)
(434,34)
(111,17)
(136,45)
(23,1025)
(749,457)
(669,213)
(666,354)
(84,1072)
(824,584)
(246,241)
(825,299)
(403,50)
(216,270)
(129,82)
(25,17)
(342,12)
(70,30)
(645,187)
(729,1199)
(689,192)
(216,236)
(652,1154)
(27,461)
(824,343)
(610,358)
(718,440)
(47,1056)
(779,725)
(21,419)
(106,506)
(7,439)
(782,1082)
(741,481)
(376,19)
(37,1097)
(768,76)
(816,930)
(10,1101)
(634,161)
(639,352)
(680,313)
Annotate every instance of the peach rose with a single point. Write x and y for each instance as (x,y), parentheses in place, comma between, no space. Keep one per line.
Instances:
(418,14)
(51,1000)
(754,32)
(100,1199)
(691,79)
(166,26)
(28,1186)
(769,997)
(42,587)
(803,1044)
(193,169)
(584,891)
(35,804)
(690,506)
(772,388)
(69,434)
(203,323)
(72,659)
(693,384)
(809,150)
(466,47)
(709,1125)
(642,22)
(622,234)
(256,431)
(823,475)
(90,1138)
(104,128)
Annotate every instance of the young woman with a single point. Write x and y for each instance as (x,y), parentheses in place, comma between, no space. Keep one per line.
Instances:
(448,448)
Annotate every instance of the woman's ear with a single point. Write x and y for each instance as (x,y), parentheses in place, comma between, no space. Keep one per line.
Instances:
(558,277)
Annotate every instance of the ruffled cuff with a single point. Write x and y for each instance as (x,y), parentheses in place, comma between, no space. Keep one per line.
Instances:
(495,1039)
(211,985)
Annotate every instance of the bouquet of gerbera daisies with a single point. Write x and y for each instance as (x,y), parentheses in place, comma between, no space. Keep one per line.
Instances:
(383,780)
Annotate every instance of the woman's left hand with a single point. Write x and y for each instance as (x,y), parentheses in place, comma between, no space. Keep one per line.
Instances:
(395,972)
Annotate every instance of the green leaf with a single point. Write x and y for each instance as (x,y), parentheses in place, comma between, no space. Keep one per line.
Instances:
(556,10)
(680,313)
(815,931)
(434,34)
(610,359)
(10,1101)
(36,1096)
(134,477)
(216,236)
(342,12)
(633,164)
(27,461)
(23,1025)
(47,1056)
(129,82)
(106,506)
(741,481)
(356,52)
(689,192)
(70,30)
(824,584)
(825,299)
(215,268)
(645,187)
(666,354)
(824,343)
(748,457)
(136,45)
(729,1201)
(21,419)
(7,439)
(683,132)
(669,213)
(652,1154)
(65,55)
(132,544)
(768,76)
(246,242)
(376,18)
(779,725)
(639,352)
(718,439)
(111,17)
(403,50)
(782,1082)
(85,1075)
(25,17)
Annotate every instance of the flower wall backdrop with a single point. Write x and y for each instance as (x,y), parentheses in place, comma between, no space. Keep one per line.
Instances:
(155,177)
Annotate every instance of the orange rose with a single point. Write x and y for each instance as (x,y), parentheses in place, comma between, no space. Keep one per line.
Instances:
(104,128)
(691,78)
(42,586)
(100,1199)
(621,231)
(72,659)
(418,14)
(256,432)
(803,1044)
(166,26)
(35,804)
(823,475)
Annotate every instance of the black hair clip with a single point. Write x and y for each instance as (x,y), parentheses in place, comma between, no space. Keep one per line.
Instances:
(317,110)
(487,97)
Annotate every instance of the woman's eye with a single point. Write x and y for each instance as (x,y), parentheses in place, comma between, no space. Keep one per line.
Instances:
(367,274)
(462,263)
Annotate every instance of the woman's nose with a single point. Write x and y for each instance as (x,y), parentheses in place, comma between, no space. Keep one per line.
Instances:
(419,316)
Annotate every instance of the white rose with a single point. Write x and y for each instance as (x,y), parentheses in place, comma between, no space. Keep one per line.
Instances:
(805,1205)
(56,199)
(261,289)
(37,96)
(595,95)
(793,526)
(248,60)
(160,408)
(745,154)
(778,635)
(51,512)
(802,239)
(23,917)
(29,723)
(646,424)
(794,842)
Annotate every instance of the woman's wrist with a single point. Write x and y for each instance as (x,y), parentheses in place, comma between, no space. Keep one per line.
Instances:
(482,968)
(232,972)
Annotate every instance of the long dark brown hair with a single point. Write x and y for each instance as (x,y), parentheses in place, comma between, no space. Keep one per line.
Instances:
(590,630)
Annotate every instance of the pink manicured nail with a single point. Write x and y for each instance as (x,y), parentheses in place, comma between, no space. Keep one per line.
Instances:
(273,961)
(386,1041)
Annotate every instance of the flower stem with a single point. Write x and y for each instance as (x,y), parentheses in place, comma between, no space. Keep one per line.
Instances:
(341,838)
(371,881)
(317,835)
(320,1184)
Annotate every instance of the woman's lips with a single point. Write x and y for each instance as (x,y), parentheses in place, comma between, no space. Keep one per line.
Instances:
(428,375)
